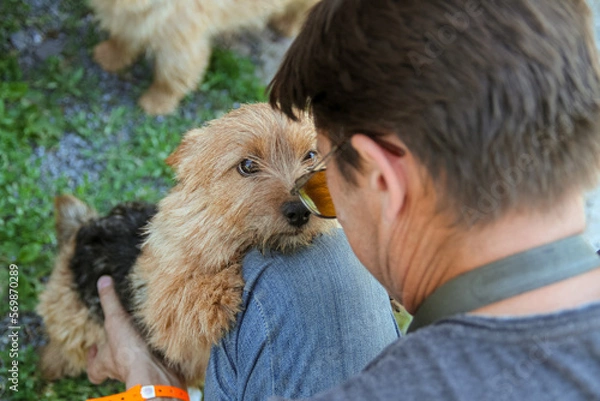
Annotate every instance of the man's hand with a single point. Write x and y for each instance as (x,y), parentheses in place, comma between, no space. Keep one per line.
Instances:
(125,357)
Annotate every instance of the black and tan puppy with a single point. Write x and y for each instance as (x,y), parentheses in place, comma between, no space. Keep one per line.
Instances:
(89,246)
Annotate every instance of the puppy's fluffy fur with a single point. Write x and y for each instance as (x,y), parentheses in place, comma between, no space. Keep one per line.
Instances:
(233,193)
(178,34)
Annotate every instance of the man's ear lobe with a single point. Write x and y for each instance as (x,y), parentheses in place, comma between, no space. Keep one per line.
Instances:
(385,174)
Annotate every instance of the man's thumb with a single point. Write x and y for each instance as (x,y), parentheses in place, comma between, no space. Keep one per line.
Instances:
(108,297)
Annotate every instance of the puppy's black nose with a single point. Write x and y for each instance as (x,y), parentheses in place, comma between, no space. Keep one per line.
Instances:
(296,213)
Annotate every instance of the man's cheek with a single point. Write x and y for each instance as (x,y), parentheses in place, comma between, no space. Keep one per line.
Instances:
(340,201)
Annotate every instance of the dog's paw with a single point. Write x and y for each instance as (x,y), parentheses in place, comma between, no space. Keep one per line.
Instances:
(187,317)
(158,101)
(51,364)
(57,360)
(221,304)
(110,56)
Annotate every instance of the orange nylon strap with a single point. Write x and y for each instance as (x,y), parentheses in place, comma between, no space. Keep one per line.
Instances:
(140,393)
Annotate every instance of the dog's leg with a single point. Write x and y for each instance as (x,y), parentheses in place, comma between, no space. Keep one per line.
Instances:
(185,314)
(115,54)
(290,20)
(177,71)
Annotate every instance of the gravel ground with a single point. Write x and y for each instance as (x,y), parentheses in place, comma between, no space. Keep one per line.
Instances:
(37,43)
(265,48)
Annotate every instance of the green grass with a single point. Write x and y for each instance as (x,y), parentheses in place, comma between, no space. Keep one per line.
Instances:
(130,156)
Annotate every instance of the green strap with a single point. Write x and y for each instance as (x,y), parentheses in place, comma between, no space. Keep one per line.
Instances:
(507,278)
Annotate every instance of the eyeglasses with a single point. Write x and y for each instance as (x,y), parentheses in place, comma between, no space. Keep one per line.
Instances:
(312,186)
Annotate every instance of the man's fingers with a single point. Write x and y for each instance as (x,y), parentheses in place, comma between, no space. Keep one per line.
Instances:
(95,367)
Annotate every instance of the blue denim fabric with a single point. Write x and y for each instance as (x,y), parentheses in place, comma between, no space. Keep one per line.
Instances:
(310,321)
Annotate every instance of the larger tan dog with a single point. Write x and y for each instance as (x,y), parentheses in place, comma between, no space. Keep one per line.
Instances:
(233,192)
(178,34)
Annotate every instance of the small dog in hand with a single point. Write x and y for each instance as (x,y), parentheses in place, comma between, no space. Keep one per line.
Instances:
(178,35)
(184,290)
(89,246)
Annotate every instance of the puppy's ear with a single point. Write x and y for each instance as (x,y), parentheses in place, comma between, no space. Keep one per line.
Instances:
(70,214)
(185,149)
(174,159)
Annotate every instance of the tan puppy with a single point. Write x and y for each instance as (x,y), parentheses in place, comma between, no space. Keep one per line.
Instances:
(178,34)
(233,193)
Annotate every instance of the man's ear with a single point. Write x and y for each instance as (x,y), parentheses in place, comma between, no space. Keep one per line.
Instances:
(385,174)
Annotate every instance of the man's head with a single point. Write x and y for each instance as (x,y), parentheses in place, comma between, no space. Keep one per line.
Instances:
(497,104)
(498,100)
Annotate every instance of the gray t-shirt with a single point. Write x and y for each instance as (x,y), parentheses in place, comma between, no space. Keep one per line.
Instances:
(545,357)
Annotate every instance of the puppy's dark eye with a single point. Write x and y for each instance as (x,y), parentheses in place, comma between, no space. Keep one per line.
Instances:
(248,167)
(310,157)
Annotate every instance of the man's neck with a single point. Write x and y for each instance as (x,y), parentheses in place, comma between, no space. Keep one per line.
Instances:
(508,236)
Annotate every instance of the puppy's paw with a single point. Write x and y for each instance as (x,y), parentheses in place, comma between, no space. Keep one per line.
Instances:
(51,365)
(221,303)
(159,101)
(111,56)
(186,318)
(57,362)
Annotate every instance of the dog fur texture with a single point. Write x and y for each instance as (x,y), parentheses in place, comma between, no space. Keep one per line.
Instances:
(178,35)
(234,178)
(89,247)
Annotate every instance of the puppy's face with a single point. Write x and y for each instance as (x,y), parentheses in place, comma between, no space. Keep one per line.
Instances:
(240,170)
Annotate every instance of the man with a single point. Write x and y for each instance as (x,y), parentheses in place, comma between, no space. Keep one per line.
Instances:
(461,136)
(496,108)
